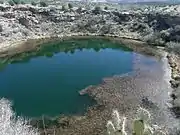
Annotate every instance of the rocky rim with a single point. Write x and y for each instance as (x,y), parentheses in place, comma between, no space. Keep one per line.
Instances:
(155,25)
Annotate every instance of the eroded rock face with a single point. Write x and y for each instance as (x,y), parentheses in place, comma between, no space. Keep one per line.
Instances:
(26,22)
(175,83)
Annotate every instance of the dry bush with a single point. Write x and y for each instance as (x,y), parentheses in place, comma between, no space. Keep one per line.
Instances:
(12,125)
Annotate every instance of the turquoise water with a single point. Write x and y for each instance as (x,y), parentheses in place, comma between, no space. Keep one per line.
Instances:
(47,81)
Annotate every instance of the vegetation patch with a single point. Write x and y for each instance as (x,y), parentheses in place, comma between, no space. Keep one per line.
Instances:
(43,4)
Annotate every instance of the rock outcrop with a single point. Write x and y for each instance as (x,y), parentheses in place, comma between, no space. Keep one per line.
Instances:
(155,25)
(174,62)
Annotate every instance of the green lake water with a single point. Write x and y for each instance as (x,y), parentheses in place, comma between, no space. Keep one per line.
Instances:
(48,81)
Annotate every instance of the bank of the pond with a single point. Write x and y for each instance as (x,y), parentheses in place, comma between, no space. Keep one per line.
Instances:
(35,44)
(147,87)
(174,62)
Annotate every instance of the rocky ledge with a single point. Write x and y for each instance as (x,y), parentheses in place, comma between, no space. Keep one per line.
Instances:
(174,61)
(153,24)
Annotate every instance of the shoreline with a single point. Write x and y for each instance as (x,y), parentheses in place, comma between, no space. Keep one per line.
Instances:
(32,45)
(174,62)
(137,46)
(20,23)
(40,40)
(103,108)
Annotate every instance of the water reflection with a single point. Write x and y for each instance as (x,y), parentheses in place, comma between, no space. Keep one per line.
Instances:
(69,46)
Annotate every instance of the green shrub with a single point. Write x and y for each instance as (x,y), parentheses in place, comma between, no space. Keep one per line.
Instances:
(70,5)
(97,10)
(43,4)
(106,8)
(33,3)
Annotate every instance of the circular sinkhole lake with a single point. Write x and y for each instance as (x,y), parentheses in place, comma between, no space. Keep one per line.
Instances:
(48,81)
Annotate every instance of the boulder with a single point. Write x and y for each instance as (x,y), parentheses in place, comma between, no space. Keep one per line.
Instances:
(174,83)
(24,21)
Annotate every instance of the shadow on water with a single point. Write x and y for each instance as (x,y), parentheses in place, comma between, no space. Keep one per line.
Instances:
(67,46)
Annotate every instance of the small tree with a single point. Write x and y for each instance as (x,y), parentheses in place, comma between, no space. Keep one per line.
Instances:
(97,10)
(43,4)
(70,5)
